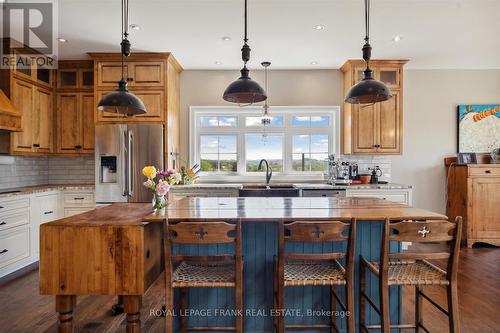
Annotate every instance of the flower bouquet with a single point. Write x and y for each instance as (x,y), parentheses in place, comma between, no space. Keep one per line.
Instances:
(159,182)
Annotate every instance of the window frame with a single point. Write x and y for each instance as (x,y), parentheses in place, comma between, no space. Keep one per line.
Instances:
(195,132)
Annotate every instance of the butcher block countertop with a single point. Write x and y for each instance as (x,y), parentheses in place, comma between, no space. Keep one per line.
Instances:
(249,209)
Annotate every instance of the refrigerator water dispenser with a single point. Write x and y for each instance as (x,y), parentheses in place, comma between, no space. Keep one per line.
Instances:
(108,169)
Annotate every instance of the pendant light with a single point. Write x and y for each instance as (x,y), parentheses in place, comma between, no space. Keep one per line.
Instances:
(266,118)
(368,90)
(122,101)
(244,90)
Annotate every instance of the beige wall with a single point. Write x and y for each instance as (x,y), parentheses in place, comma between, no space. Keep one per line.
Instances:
(430,101)
(430,126)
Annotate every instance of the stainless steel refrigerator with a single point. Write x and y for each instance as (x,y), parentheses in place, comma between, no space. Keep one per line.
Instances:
(121,151)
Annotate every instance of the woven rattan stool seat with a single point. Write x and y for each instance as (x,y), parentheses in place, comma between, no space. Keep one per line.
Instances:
(314,274)
(204,275)
(420,272)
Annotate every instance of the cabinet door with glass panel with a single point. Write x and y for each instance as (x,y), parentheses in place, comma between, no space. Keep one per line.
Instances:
(295,141)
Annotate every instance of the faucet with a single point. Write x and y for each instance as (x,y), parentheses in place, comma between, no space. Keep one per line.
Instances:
(269,170)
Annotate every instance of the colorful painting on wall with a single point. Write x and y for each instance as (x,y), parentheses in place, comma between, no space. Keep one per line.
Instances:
(478,128)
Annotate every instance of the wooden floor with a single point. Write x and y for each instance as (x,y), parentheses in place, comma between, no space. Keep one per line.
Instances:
(23,310)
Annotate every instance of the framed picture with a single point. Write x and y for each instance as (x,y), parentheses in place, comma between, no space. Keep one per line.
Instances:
(467,158)
(478,128)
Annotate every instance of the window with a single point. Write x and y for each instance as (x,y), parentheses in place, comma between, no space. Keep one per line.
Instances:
(231,140)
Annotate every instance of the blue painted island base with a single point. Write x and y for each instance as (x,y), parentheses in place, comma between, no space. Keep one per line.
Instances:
(305,305)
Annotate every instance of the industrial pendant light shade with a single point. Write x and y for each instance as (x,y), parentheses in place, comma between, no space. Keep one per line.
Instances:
(368,90)
(122,101)
(244,90)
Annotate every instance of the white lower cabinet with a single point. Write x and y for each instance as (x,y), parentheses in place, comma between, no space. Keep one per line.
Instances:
(77,202)
(21,217)
(403,196)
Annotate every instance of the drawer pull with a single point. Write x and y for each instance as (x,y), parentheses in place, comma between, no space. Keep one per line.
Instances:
(49,212)
(78,147)
(3,223)
(4,251)
(1,207)
(79,198)
(487,171)
(36,145)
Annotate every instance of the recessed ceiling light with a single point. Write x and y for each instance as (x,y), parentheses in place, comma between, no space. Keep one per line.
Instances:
(397,38)
(319,27)
(314,62)
(62,40)
(135,27)
(218,63)
(226,38)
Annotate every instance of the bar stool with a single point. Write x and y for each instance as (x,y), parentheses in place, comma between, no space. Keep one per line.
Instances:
(399,269)
(218,271)
(322,269)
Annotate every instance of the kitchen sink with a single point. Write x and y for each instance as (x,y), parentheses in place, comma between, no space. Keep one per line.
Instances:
(273,190)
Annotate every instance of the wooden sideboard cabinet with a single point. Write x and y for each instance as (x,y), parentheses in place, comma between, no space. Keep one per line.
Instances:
(474,194)
(374,128)
(75,108)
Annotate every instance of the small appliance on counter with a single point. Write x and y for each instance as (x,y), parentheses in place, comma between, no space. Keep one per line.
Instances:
(376,174)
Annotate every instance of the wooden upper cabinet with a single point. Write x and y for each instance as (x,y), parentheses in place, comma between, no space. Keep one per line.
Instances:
(374,128)
(75,75)
(88,127)
(137,74)
(147,78)
(154,102)
(75,123)
(68,122)
(389,125)
(43,120)
(22,97)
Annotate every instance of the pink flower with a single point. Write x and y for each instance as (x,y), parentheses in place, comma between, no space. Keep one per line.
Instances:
(162,188)
(149,184)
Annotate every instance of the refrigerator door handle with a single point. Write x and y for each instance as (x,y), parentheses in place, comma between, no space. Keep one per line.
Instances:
(126,163)
(130,173)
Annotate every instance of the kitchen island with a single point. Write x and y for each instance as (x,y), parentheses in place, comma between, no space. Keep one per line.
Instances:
(117,250)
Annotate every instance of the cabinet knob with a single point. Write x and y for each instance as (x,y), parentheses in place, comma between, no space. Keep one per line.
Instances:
(376,146)
(4,251)
(130,79)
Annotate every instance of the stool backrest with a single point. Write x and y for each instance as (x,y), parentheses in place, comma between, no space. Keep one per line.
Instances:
(319,232)
(203,233)
(434,231)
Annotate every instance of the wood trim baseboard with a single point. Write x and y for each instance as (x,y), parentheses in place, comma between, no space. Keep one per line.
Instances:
(20,272)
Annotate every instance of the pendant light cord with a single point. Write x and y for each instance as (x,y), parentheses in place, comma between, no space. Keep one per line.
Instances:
(122,34)
(367,20)
(246,17)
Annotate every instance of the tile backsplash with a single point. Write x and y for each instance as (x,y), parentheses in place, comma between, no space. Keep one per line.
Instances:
(365,162)
(32,171)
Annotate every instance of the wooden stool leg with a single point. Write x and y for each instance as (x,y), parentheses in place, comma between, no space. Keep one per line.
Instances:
(132,305)
(275,295)
(333,307)
(183,309)
(362,302)
(453,316)
(239,308)
(351,319)
(384,305)
(65,305)
(418,308)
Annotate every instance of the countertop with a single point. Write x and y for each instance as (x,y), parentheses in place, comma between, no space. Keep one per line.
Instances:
(247,210)
(301,186)
(44,188)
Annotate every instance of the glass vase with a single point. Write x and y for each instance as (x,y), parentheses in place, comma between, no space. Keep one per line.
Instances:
(159,202)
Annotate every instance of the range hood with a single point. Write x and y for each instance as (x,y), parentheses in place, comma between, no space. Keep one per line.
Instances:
(10,116)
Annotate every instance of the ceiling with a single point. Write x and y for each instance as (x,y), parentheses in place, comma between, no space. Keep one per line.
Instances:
(441,34)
